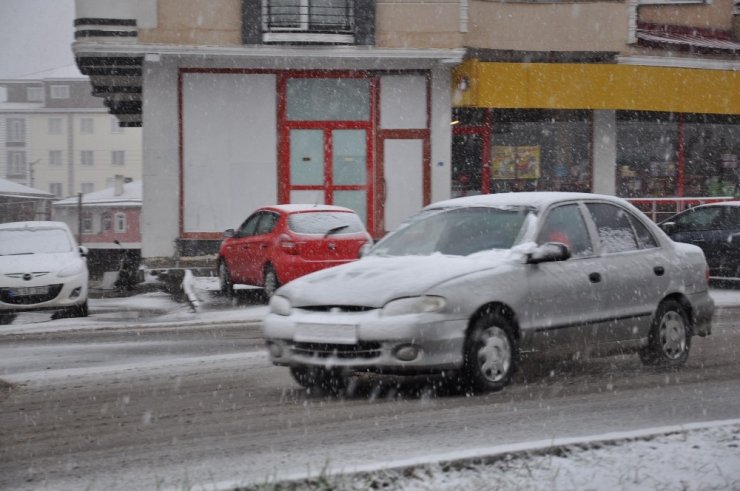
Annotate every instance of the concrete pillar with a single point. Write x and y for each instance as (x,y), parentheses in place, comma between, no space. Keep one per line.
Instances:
(605,152)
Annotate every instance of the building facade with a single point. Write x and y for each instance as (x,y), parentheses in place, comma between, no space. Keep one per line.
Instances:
(385,106)
(56,136)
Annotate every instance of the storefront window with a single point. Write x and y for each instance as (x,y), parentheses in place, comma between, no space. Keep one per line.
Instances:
(467,167)
(711,164)
(328,99)
(647,157)
(540,151)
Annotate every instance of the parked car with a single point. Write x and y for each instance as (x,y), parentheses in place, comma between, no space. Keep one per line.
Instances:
(41,268)
(716,229)
(468,286)
(277,244)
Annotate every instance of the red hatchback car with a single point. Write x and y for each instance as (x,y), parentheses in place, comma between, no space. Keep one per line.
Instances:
(279,243)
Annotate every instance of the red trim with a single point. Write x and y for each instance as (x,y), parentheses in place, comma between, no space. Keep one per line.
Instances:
(202,235)
(283,132)
(181,154)
(681,151)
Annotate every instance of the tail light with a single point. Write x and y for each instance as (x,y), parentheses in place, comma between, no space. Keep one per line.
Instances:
(288,245)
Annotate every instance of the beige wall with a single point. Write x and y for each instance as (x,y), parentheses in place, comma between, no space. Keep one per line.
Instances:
(196,22)
(429,24)
(714,15)
(599,26)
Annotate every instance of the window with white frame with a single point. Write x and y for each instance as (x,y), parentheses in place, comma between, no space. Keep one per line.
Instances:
(87,222)
(35,94)
(106,221)
(55,188)
(15,130)
(87,157)
(59,91)
(16,164)
(55,126)
(87,187)
(87,126)
(120,223)
(115,128)
(118,157)
(55,157)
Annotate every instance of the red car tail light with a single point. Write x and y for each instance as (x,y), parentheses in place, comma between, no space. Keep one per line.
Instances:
(288,245)
(707,274)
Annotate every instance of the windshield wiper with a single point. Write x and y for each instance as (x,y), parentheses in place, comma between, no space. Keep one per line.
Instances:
(335,230)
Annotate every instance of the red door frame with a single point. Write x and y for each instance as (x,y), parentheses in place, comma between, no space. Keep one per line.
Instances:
(285,125)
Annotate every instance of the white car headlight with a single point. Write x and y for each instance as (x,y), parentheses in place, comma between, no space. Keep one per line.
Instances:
(73,269)
(414,305)
(280,305)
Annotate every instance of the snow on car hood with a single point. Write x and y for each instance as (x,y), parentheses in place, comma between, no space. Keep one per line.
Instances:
(374,280)
(36,263)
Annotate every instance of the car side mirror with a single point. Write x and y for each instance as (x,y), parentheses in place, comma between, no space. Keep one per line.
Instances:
(549,252)
(229,233)
(669,227)
(84,251)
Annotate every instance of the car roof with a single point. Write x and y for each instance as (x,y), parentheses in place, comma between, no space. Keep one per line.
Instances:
(299,208)
(41,224)
(530,199)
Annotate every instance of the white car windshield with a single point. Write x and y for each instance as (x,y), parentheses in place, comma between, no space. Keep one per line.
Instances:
(18,241)
(455,231)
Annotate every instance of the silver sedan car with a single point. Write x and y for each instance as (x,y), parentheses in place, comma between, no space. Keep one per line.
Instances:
(468,286)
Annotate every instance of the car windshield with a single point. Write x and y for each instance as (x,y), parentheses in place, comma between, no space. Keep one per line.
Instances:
(17,241)
(325,222)
(456,231)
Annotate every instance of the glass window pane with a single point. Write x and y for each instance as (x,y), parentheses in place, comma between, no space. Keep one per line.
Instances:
(712,156)
(646,158)
(467,155)
(615,231)
(322,222)
(330,14)
(354,200)
(306,157)
(284,13)
(350,148)
(328,99)
(565,224)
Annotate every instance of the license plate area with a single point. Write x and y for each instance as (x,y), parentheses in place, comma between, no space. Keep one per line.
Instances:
(326,333)
(27,291)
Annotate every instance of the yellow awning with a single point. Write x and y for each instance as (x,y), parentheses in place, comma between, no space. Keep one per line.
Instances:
(596,86)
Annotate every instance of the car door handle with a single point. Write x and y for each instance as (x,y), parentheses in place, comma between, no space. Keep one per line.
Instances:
(659,270)
(594,277)
(263,246)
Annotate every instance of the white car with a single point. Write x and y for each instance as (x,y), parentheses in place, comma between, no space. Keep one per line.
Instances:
(41,268)
(469,286)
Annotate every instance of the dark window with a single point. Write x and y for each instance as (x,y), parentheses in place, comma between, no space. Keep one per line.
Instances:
(615,230)
(699,219)
(249,226)
(267,223)
(565,224)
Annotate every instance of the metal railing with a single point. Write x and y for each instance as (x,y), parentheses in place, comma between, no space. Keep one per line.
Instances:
(315,16)
(659,209)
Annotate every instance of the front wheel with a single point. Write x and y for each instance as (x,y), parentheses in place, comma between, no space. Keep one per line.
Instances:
(491,353)
(669,339)
(224,279)
(271,283)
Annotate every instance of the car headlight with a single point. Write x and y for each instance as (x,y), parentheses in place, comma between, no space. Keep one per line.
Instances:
(280,305)
(414,305)
(73,269)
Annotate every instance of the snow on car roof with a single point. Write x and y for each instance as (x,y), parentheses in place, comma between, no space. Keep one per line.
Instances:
(41,224)
(297,207)
(534,199)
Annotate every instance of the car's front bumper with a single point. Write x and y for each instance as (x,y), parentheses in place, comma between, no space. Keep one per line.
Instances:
(73,292)
(366,341)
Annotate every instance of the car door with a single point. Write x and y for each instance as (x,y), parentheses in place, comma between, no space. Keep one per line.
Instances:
(635,274)
(258,247)
(702,227)
(237,248)
(562,295)
(728,244)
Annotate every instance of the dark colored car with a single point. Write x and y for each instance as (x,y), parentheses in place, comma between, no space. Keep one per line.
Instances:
(279,243)
(716,229)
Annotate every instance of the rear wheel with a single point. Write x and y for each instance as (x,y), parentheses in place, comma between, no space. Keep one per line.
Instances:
(224,279)
(491,353)
(271,282)
(328,380)
(669,339)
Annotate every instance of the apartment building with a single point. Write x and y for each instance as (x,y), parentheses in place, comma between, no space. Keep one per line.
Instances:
(385,106)
(57,137)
